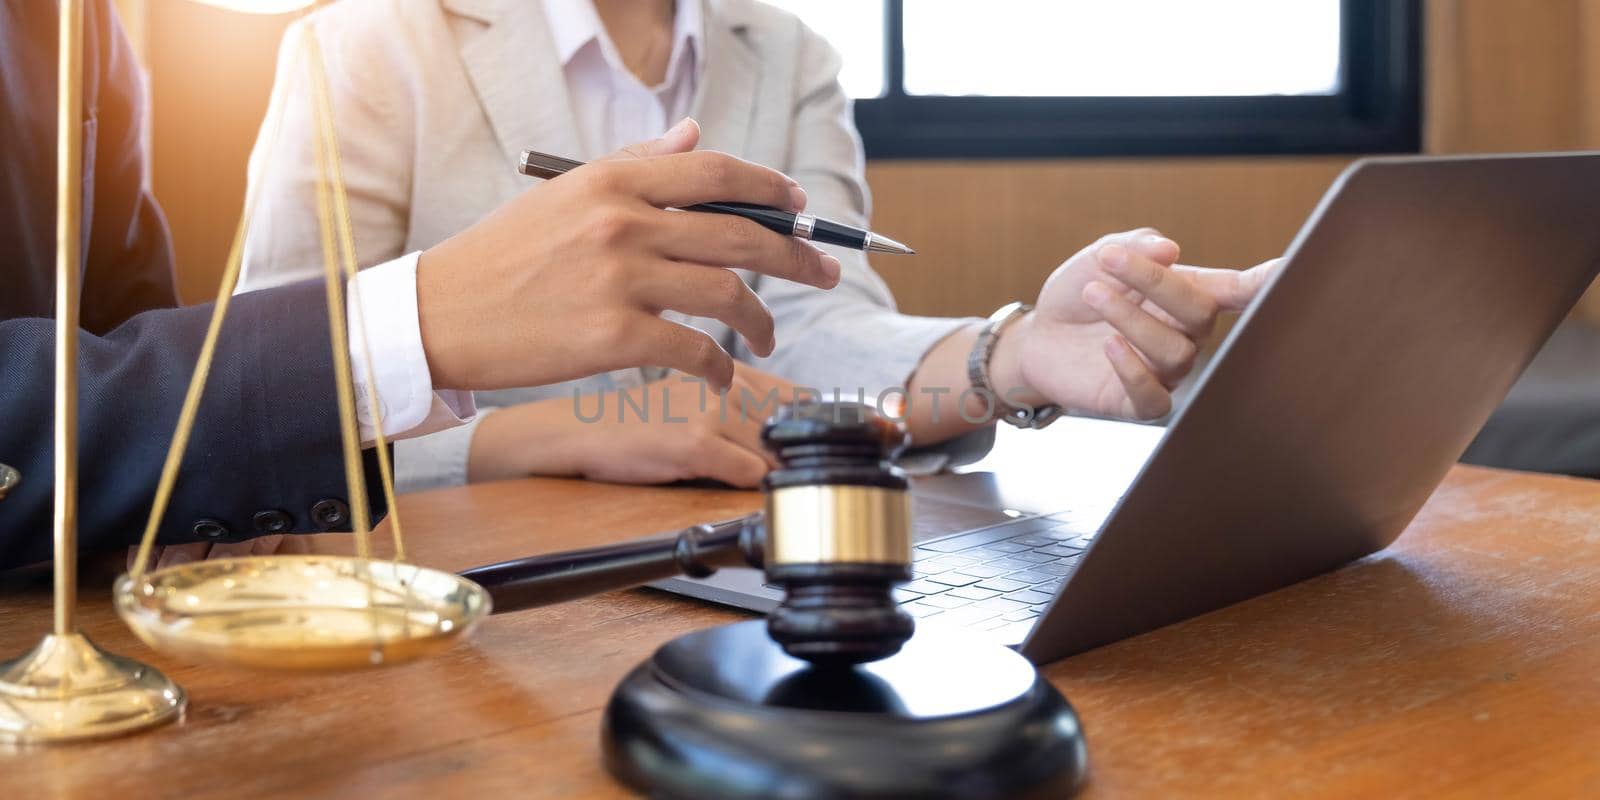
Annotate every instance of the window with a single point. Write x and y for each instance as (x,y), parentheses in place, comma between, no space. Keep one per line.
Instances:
(1019,78)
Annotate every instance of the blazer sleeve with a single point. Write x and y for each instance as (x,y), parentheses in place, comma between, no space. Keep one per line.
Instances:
(267,437)
(376,151)
(126,255)
(850,337)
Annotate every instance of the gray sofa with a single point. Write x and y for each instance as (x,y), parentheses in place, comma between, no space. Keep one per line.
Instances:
(1550,422)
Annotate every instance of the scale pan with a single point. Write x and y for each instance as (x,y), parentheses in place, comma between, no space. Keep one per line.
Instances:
(300,612)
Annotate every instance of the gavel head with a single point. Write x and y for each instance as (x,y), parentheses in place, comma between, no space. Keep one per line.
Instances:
(838,533)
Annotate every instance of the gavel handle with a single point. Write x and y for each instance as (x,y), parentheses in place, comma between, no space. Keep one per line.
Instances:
(695,551)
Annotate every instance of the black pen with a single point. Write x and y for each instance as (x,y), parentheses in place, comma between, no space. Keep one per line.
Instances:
(788,223)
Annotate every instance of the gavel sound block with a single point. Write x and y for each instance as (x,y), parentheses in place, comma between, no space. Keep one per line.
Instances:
(836,694)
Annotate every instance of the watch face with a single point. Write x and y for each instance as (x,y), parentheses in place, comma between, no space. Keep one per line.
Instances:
(1044,415)
(1032,418)
(1009,310)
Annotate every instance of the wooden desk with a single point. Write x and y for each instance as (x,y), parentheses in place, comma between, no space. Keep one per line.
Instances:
(1464,661)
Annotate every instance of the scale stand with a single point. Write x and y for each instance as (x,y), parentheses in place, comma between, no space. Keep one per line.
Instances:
(66,688)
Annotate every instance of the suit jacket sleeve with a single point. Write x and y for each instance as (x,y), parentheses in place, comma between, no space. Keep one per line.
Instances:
(128,258)
(267,436)
(376,150)
(127,253)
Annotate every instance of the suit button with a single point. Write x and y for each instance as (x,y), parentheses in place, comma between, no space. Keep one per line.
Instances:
(330,514)
(211,529)
(272,521)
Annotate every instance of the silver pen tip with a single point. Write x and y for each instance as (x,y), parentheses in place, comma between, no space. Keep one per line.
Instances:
(878,243)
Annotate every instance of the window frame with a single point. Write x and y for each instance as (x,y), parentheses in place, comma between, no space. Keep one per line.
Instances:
(1376,110)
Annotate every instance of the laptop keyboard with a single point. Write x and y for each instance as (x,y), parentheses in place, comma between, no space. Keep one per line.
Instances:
(994,577)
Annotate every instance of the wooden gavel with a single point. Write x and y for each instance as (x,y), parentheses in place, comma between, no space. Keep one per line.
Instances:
(835,536)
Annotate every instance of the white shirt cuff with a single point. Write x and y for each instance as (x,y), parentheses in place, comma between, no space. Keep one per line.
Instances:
(407,402)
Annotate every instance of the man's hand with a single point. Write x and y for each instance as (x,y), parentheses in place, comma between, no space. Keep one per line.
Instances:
(1117,326)
(163,556)
(689,433)
(569,278)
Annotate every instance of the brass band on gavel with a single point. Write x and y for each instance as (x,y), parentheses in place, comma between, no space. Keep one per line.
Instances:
(838,524)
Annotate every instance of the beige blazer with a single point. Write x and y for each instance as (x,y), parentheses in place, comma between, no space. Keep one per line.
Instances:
(435,99)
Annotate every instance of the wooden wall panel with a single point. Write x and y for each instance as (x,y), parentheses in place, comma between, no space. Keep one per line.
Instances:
(988,233)
(1589,95)
(1505,76)
(1590,78)
(211,73)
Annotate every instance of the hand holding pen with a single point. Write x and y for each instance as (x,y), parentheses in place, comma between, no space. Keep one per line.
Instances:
(570,279)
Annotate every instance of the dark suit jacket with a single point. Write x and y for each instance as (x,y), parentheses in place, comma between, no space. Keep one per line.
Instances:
(128,255)
(265,453)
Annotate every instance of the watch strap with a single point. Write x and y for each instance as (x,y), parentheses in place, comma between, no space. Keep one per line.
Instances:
(978,371)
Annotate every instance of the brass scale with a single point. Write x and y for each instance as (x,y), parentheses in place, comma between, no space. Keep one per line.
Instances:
(288,612)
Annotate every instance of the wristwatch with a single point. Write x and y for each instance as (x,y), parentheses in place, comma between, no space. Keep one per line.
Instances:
(978,372)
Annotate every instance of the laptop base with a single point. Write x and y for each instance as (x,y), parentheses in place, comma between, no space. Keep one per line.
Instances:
(725,713)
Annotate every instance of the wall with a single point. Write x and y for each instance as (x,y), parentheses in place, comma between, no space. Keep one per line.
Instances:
(1591,72)
(210,74)
(992,231)
(1507,76)
(1502,75)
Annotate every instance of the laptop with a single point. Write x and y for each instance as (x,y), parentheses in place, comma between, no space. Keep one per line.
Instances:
(1407,306)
